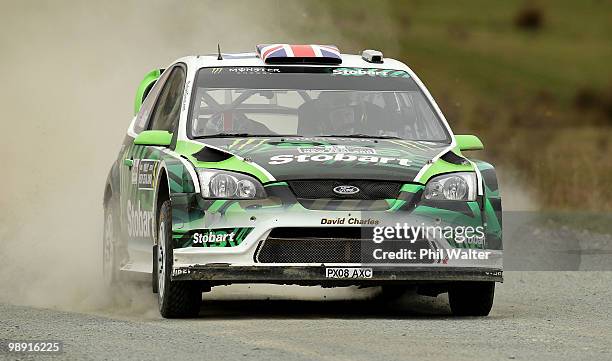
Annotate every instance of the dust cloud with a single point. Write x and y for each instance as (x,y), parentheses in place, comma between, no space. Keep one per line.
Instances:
(69,75)
(516,196)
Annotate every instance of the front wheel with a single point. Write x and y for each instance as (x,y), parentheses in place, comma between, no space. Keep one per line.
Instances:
(175,298)
(471,298)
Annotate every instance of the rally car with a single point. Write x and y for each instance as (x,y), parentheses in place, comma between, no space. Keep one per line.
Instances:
(296,164)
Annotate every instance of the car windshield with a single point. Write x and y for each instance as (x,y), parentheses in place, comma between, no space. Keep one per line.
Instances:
(312,102)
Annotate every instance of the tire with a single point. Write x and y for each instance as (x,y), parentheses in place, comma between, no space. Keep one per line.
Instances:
(176,299)
(110,257)
(471,298)
(154,284)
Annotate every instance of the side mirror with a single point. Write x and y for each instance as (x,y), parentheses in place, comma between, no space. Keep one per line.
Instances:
(154,137)
(469,142)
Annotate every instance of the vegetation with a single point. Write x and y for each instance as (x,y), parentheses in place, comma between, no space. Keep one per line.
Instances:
(533,81)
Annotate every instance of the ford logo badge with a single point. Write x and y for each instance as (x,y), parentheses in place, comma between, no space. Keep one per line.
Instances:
(346,190)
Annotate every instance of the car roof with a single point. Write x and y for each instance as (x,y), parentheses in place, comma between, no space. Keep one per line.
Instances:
(251,59)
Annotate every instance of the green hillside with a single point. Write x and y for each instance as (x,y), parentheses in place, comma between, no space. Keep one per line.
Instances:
(533,80)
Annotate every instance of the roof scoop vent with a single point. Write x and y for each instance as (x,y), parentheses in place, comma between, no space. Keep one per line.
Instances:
(372,56)
(296,54)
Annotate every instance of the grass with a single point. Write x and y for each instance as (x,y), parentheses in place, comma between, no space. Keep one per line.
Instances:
(516,88)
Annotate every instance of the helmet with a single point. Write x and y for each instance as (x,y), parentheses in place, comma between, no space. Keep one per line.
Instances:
(342,111)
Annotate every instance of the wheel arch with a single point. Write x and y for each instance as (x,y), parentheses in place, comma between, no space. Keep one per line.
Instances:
(177,182)
(111,187)
(492,203)
(162,194)
(489,178)
(108,193)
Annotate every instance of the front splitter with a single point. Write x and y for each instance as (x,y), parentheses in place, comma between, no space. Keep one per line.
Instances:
(225,273)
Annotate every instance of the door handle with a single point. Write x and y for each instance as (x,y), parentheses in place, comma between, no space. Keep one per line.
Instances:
(129,162)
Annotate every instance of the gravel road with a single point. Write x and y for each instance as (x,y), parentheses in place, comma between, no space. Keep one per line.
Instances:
(536,316)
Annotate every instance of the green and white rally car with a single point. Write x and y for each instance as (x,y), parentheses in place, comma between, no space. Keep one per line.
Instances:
(296,164)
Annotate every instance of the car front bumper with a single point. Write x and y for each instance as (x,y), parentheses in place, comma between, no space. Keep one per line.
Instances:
(241,262)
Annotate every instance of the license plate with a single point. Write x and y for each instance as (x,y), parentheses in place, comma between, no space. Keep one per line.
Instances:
(348,272)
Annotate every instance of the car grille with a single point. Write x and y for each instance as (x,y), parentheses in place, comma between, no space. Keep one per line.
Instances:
(324,189)
(326,245)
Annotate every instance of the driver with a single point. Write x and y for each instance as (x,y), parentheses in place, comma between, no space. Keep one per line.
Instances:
(341,113)
(345,115)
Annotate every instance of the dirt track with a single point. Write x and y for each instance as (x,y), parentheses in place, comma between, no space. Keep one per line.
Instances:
(537,315)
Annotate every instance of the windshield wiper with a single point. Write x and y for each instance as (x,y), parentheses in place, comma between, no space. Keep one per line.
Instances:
(243,135)
(361,136)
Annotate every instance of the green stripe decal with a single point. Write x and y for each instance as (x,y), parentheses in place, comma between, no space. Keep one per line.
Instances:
(277,184)
(441,166)
(412,188)
(188,148)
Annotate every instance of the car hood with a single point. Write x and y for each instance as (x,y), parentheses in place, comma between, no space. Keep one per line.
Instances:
(332,158)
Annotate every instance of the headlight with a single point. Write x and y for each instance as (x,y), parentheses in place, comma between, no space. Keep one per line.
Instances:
(453,187)
(229,185)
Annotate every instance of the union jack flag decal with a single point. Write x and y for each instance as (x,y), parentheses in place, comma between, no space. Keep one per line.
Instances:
(285,53)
